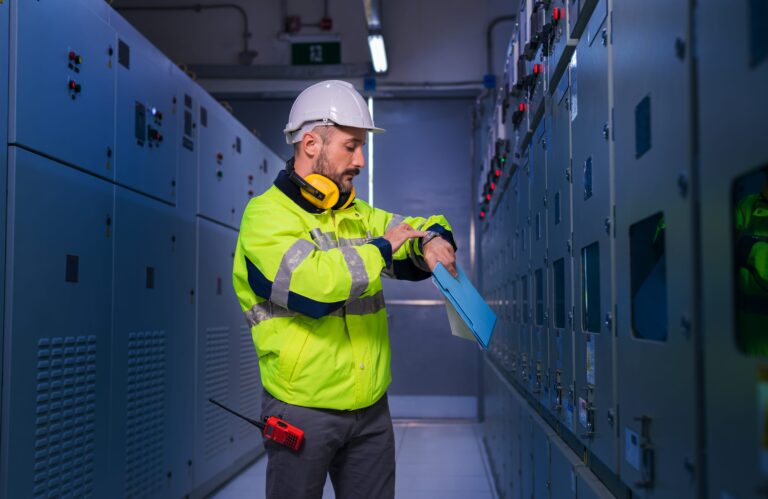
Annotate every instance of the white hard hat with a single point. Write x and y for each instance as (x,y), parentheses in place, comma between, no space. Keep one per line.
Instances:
(327,103)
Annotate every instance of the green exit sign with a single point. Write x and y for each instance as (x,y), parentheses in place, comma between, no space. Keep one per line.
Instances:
(308,53)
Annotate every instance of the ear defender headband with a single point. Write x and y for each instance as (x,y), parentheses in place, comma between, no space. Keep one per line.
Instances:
(322,192)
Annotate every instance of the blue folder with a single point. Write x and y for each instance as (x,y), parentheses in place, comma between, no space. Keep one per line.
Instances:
(465,303)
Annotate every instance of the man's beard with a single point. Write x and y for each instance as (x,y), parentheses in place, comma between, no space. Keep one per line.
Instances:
(323,167)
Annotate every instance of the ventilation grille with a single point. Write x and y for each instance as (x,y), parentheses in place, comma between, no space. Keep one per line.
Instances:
(65,417)
(145,406)
(215,419)
(250,382)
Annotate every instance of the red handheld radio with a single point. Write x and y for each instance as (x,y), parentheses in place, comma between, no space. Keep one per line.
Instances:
(274,429)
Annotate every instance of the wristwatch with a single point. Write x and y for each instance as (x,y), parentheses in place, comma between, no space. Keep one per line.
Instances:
(430,235)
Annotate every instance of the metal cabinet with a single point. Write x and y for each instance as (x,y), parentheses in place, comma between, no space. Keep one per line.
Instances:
(593,227)
(220,172)
(654,244)
(63,83)
(56,417)
(147,128)
(560,259)
(523,242)
(219,342)
(733,153)
(539,259)
(152,357)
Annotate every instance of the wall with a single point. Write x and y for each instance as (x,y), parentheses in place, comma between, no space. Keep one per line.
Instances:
(420,168)
(421,37)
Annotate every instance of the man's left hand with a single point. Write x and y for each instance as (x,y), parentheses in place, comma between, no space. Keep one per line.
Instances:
(438,250)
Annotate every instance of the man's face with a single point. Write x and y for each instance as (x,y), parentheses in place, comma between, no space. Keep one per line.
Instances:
(341,156)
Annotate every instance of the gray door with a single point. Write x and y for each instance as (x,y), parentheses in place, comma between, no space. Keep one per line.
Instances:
(733,151)
(218,342)
(654,245)
(559,230)
(57,351)
(148,102)
(592,229)
(82,129)
(421,167)
(144,337)
(539,260)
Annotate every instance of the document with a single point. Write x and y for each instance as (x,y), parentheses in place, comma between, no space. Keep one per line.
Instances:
(468,314)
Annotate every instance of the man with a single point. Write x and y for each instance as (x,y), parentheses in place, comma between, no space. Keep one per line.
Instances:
(307,272)
(752,264)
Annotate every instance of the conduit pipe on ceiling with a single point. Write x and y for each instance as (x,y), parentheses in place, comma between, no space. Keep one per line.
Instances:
(245,57)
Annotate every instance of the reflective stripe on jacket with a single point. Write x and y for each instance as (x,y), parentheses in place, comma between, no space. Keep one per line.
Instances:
(309,283)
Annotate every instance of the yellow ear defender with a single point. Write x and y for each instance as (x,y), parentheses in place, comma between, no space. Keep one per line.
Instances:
(322,192)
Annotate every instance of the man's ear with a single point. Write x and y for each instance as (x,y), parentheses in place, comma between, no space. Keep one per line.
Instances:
(310,144)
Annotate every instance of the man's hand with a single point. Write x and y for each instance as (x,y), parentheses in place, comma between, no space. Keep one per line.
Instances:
(440,250)
(398,235)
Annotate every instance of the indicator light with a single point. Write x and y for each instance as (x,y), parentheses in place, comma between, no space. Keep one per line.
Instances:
(536,69)
(493,186)
(219,173)
(219,157)
(497,173)
(556,15)
(154,111)
(488,197)
(482,215)
(79,59)
(71,56)
(522,107)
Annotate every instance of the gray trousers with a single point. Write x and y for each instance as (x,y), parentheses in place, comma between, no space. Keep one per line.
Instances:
(357,449)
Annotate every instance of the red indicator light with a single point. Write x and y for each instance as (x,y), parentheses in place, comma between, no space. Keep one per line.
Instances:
(498,173)
(556,15)
(482,214)
(72,56)
(522,106)
(219,156)
(536,69)
(72,84)
(488,197)
(493,186)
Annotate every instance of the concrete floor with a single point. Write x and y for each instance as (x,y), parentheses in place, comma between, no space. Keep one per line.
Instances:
(435,459)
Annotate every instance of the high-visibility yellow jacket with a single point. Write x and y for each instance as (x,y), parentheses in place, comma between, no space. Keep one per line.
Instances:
(309,283)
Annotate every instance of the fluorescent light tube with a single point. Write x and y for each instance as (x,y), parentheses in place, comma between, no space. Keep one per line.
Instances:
(378,53)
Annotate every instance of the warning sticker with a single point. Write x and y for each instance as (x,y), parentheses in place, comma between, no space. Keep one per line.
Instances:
(590,359)
(762,416)
(569,414)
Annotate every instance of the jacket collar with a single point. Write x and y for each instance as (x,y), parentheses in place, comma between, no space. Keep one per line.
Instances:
(287,187)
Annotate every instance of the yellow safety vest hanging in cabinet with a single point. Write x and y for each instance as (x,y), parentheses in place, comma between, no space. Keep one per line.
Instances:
(309,283)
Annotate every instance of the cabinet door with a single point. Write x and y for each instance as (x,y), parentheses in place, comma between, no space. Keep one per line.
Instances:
(57,353)
(654,251)
(148,102)
(64,84)
(733,155)
(219,320)
(593,243)
(559,247)
(539,260)
(220,170)
(151,356)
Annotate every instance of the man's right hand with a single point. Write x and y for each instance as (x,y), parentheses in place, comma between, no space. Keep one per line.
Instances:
(398,235)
